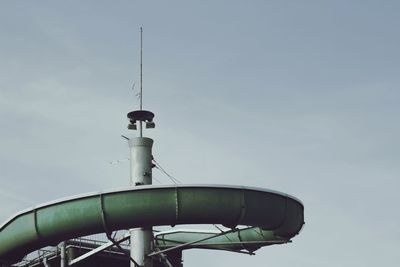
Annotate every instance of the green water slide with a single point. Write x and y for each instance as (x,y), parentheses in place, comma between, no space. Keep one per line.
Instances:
(272,217)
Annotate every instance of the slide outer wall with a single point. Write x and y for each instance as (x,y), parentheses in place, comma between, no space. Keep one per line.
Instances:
(142,206)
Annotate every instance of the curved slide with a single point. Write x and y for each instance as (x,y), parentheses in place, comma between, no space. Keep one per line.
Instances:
(244,240)
(144,206)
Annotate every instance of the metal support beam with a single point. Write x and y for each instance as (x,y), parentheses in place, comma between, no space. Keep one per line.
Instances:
(63,255)
(164,259)
(181,246)
(133,262)
(45,262)
(99,249)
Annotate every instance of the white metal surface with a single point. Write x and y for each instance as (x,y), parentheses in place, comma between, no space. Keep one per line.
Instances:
(141,157)
(141,174)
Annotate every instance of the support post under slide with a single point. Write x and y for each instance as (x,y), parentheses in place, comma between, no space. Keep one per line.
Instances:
(141,174)
(63,255)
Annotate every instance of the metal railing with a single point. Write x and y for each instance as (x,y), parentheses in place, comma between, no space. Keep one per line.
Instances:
(84,242)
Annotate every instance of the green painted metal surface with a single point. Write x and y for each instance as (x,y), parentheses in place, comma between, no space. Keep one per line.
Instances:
(143,206)
(247,239)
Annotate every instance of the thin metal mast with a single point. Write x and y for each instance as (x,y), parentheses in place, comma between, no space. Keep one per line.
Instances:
(141,79)
(141,172)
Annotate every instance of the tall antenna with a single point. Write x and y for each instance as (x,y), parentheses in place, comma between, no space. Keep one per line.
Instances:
(141,79)
(141,68)
(141,115)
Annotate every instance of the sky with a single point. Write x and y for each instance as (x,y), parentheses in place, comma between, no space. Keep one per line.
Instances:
(296,96)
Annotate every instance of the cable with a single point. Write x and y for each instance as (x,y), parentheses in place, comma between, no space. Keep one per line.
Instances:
(173,179)
(170,177)
(176,181)
(157,180)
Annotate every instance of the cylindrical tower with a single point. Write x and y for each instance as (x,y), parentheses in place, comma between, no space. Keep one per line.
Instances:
(141,174)
(141,160)
(141,165)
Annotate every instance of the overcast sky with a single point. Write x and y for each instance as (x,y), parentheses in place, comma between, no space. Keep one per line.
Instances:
(296,96)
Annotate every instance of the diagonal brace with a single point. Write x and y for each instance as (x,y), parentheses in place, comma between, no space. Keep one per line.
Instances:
(99,249)
(193,242)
